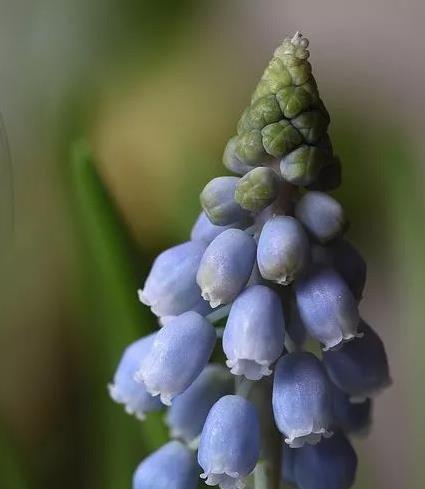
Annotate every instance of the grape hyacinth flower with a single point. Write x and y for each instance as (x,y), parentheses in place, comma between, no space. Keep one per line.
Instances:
(219,204)
(302,399)
(254,334)
(359,368)
(226,266)
(327,307)
(268,249)
(321,215)
(171,287)
(331,464)
(187,415)
(283,250)
(179,352)
(230,442)
(346,260)
(173,466)
(125,390)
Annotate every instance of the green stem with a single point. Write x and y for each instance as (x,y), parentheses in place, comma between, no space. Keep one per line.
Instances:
(267,472)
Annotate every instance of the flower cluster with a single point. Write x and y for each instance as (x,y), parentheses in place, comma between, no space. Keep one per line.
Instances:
(267,252)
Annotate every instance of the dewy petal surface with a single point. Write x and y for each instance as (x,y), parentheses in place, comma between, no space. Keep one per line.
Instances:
(170,288)
(180,351)
(321,214)
(226,266)
(230,442)
(302,399)
(283,250)
(327,307)
(173,466)
(254,335)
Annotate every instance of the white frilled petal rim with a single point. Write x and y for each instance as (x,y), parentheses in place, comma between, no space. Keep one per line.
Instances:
(144,299)
(299,439)
(166,397)
(251,369)
(226,480)
(344,338)
(130,405)
(208,296)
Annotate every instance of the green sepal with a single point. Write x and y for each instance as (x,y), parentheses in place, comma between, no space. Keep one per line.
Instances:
(312,125)
(300,73)
(242,125)
(257,189)
(249,147)
(302,166)
(280,138)
(263,88)
(263,111)
(293,100)
(277,75)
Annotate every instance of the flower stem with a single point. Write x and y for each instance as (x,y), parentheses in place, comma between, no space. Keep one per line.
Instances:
(218,314)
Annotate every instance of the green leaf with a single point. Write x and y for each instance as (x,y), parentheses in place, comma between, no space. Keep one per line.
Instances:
(112,318)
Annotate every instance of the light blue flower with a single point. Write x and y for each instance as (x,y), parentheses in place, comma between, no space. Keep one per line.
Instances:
(230,443)
(205,231)
(187,415)
(283,250)
(171,287)
(302,399)
(219,204)
(331,464)
(322,216)
(359,368)
(226,266)
(327,307)
(180,351)
(173,466)
(254,335)
(347,261)
(125,390)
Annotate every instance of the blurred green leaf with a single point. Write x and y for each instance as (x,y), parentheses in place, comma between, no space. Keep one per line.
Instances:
(12,474)
(112,318)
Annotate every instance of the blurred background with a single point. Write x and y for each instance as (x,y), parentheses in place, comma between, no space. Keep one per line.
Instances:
(156,89)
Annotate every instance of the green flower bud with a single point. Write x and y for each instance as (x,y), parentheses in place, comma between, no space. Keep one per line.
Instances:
(302,166)
(293,100)
(312,125)
(263,111)
(264,88)
(257,189)
(249,147)
(280,138)
(231,161)
(300,73)
(242,125)
(277,75)
(293,51)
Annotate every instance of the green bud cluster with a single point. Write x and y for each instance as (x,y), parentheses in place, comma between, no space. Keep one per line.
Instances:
(287,121)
